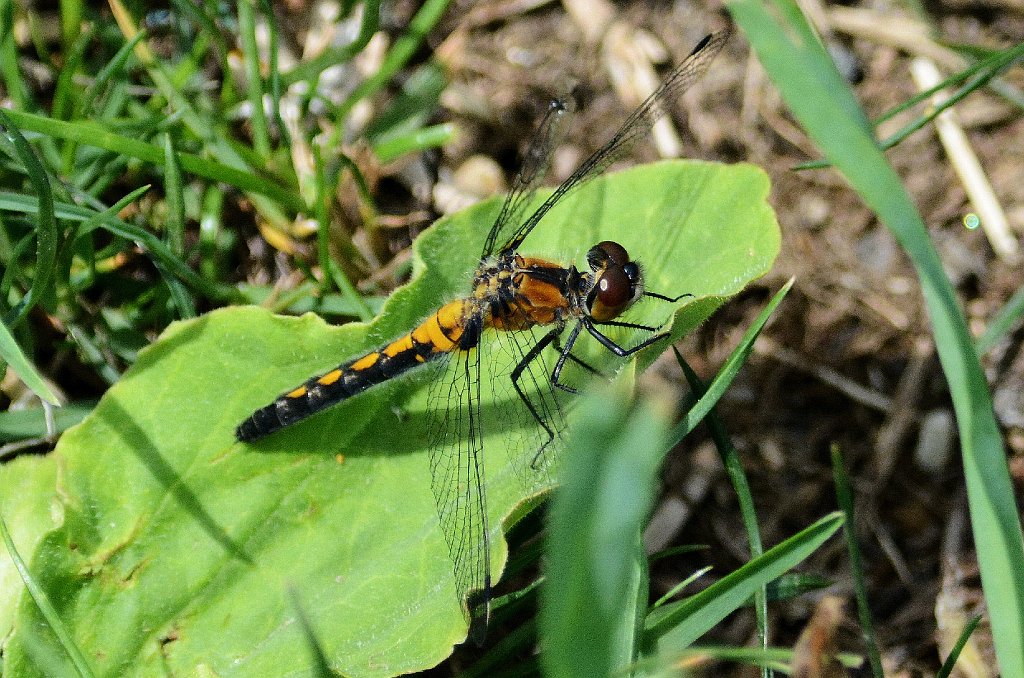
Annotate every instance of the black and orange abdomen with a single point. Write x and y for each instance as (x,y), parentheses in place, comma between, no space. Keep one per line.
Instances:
(451,328)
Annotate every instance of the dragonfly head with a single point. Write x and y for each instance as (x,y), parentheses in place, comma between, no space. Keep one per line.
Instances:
(618,282)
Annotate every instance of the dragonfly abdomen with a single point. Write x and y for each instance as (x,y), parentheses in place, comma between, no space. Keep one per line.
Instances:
(449,329)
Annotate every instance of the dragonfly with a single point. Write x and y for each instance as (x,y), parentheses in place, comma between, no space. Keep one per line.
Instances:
(510,337)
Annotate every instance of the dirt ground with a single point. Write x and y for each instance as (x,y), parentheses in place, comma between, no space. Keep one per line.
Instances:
(848,359)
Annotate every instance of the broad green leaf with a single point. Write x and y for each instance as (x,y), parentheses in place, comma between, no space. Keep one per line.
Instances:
(179,545)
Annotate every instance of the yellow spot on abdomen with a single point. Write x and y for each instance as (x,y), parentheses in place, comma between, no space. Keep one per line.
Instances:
(400,345)
(368,360)
(297,393)
(329,378)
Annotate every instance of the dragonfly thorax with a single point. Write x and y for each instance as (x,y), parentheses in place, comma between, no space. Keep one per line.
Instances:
(516,292)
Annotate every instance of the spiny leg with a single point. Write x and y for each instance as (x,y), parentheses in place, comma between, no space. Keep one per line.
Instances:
(607,342)
(615,348)
(531,355)
(671,300)
(566,353)
(631,326)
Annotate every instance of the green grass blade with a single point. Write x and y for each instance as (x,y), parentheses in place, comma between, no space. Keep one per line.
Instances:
(96,220)
(174,194)
(71,12)
(331,271)
(1009,315)
(204,14)
(179,293)
(678,588)
(403,50)
(414,106)
(310,69)
(275,81)
(729,370)
(12,354)
(844,493)
(987,70)
(148,241)
(253,77)
(821,101)
(947,666)
(46,225)
(31,423)
(14,84)
(990,63)
(734,467)
(674,627)
(92,355)
(792,585)
(112,68)
(175,228)
(595,591)
(43,603)
(65,90)
(983,73)
(92,134)
(211,232)
(414,141)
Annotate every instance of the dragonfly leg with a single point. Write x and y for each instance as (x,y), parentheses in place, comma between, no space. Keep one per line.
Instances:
(632,326)
(591,326)
(615,348)
(575,359)
(517,372)
(635,326)
(671,300)
(565,353)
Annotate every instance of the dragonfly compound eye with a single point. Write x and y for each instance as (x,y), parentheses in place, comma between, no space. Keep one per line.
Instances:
(615,290)
(607,253)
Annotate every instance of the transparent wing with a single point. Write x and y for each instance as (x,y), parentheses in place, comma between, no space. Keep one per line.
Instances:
(535,164)
(636,126)
(461,412)
(457,479)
